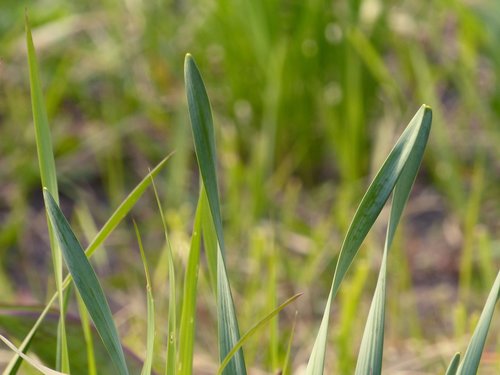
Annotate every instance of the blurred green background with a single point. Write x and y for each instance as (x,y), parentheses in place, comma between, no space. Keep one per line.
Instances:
(308,98)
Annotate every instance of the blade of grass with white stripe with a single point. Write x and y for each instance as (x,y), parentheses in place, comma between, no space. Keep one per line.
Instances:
(103,234)
(148,361)
(453,367)
(172,302)
(372,344)
(87,283)
(188,313)
(415,134)
(204,142)
(472,356)
(49,180)
(258,326)
(43,369)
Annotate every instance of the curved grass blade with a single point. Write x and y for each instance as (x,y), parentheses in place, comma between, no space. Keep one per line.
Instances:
(372,344)
(16,321)
(259,325)
(48,178)
(105,231)
(87,283)
(472,356)
(188,314)
(43,369)
(453,367)
(204,141)
(415,135)
(148,362)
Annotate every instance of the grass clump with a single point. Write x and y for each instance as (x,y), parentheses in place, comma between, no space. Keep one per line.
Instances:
(396,177)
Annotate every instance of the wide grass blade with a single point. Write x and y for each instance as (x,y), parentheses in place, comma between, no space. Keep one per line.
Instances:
(472,356)
(415,135)
(204,141)
(453,367)
(188,313)
(258,326)
(48,177)
(105,231)
(372,344)
(87,283)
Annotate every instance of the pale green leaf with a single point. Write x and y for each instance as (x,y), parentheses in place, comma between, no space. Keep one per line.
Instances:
(453,367)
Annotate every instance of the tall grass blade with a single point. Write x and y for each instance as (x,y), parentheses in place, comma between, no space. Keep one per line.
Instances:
(49,180)
(172,303)
(472,356)
(148,361)
(87,283)
(204,140)
(453,367)
(105,231)
(372,343)
(259,325)
(415,135)
(188,313)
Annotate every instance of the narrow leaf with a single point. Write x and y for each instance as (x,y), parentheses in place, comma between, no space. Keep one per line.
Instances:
(453,367)
(103,234)
(472,356)
(258,326)
(204,141)
(43,369)
(87,283)
(48,177)
(372,344)
(188,314)
(150,338)
(415,135)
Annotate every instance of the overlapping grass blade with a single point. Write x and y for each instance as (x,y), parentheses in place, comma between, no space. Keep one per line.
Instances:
(472,356)
(204,141)
(372,344)
(415,135)
(453,366)
(87,283)
(188,314)
(148,361)
(172,303)
(43,369)
(48,176)
(105,231)
(259,325)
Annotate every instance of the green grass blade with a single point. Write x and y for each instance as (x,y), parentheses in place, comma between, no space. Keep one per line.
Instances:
(202,125)
(372,344)
(148,361)
(472,356)
(48,176)
(87,283)
(204,141)
(286,361)
(172,303)
(87,335)
(453,367)
(43,369)
(188,313)
(105,231)
(258,326)
(415,135)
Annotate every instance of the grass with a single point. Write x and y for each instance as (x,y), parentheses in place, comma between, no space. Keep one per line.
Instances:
(290,172)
